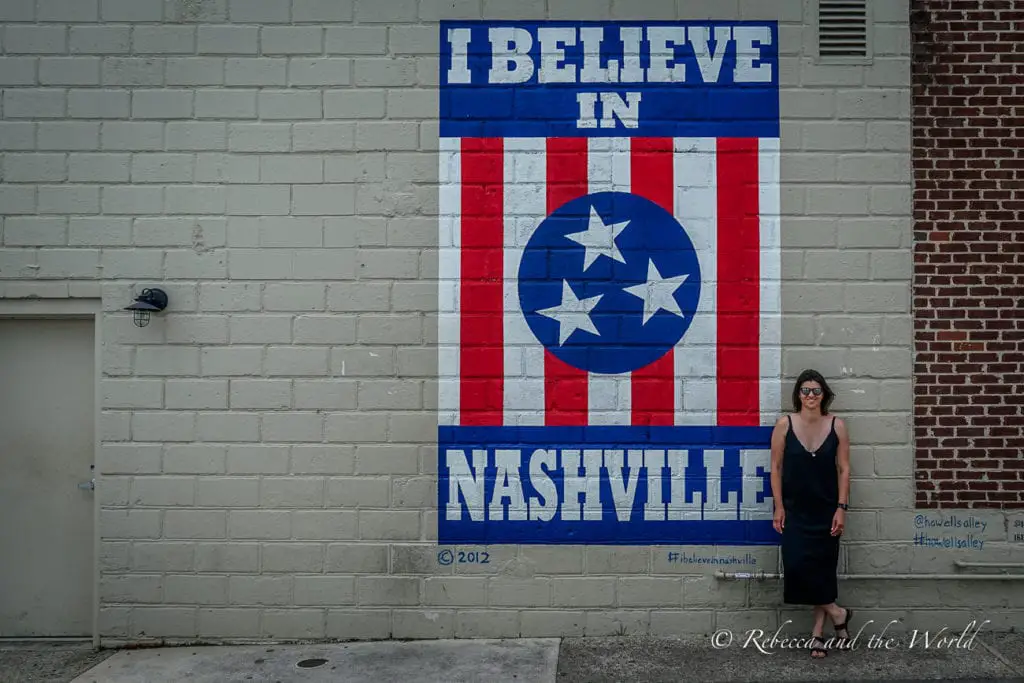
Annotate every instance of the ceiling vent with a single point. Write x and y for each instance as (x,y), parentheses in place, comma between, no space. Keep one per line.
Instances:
(842,29)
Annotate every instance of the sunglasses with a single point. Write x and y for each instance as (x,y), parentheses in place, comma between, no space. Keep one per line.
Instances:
(807,391)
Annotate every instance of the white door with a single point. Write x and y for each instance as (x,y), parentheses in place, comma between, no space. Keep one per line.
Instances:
(47,390)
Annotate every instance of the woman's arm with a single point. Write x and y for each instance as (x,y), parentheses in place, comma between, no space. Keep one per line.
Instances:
(843,461)
(778,446)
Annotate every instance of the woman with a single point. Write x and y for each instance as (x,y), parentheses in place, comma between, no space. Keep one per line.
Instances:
(811,485)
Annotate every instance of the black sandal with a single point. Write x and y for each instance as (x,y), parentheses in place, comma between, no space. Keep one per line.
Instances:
(844,642)
(815,648)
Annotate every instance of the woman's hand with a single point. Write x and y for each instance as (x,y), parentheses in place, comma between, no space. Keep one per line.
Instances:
(779,522)
(838,522)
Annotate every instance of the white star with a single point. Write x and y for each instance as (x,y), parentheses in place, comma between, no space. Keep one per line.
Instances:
(658,292)
(572,313)
(599,239)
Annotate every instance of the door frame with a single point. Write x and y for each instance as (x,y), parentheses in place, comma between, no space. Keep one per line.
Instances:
(65,309)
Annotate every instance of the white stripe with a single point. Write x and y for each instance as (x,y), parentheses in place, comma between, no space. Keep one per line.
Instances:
(525,204)
(696,208)
(771,281)
(449,241)
(609,397)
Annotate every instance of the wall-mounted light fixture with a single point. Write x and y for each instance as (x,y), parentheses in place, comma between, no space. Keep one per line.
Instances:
(150,301)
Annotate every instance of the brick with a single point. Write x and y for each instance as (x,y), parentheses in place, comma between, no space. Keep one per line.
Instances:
(534,9)
(19,71)
(552,624)
(382,72)
(324,590)
(390,394)
(306,558)
(195,524)
(196,590)
(257,459)
(162,104)
(99,104)
(197,394)
(397,11)
(325,329)
(129,393)
(387,590)
(195,199)
(431,10)
(256,71)
(208,11)
(319,71)
(258,11)
(163,39)
(358,624)
(69,71)
(323,200)
(290,104)
(130,523)
(99,40)
(35,103)
(131,136)
(194,459)
(294,40)
(131,10)
(356,40)
(17,135)
(228,104)
(259,137)
(227,426)
(36,40)
(132,71)
(163,491)
(294,297)
(355,103)
(293,427)
(161,168)
(260,329)
(322,137)
(324,525)
(131,588)
(100,231)
(196,136)
(132,200)
(221,492)
(259,200)
(228,40)
(260,590)
(321,459)
(195,71)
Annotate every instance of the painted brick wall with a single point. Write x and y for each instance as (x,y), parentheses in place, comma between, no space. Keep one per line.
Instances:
(968,240)
(269,444)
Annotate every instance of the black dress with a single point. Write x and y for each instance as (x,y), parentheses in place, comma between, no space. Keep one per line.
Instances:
(810,496)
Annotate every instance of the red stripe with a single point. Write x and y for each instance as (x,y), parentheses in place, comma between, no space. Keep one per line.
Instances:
(738,303)
(651,174)
(481,358)
(565,387)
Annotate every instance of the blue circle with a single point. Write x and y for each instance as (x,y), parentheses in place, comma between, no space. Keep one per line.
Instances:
(624,341)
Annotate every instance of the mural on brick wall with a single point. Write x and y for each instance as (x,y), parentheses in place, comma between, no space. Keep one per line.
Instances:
(609,299)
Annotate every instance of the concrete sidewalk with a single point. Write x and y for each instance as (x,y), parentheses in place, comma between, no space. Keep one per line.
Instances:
(991,657)
(571,660)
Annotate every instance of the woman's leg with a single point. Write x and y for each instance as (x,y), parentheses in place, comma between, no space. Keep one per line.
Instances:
(838,616)
(819,627)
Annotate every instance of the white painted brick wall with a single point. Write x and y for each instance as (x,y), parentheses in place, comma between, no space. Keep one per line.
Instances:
(267,466)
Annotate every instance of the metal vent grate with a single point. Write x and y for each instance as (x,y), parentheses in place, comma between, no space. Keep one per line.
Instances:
(842,28)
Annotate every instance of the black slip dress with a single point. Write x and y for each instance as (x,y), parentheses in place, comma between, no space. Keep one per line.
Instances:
(810,496)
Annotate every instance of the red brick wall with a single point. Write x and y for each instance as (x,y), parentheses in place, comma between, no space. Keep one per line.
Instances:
(968,289)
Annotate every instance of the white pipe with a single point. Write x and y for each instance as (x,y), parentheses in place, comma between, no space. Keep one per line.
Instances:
(761,576)
(1008,565)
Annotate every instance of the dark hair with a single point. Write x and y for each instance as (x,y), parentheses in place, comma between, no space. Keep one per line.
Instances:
(826,392)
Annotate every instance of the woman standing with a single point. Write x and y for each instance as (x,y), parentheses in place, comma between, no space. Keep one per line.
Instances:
(811,486)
